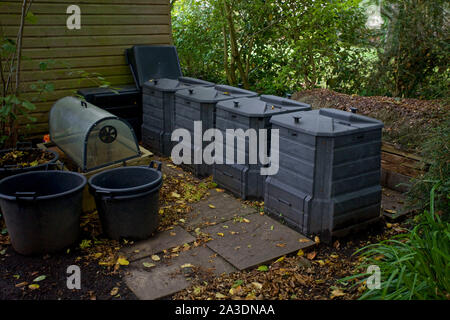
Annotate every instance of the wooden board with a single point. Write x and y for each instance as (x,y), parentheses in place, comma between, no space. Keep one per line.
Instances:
(108,27)
(398,167)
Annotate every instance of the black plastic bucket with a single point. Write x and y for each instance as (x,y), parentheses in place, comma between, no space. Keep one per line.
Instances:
(42,209)
(8,171)
(127,200)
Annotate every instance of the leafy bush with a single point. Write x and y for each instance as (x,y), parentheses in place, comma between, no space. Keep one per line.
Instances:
(415,265)
(284,46)
(436,151)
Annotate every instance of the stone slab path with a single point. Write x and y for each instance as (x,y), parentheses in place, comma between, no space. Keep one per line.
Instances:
(169,275)
(254,240)
(239,238)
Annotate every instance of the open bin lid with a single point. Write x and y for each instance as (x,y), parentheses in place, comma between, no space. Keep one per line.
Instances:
(153,62)
(90,136)
(171,85)
(214,94)
(90,93)
(326,122)
(263,106)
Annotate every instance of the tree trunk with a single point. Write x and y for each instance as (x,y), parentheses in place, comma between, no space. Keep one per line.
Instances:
(234,46)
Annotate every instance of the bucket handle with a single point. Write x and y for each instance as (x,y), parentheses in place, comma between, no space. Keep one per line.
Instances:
(107,194)
(58,166)
(152,164)
(26,196)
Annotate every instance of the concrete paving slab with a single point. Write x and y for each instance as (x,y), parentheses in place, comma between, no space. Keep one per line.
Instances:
(254,241)
(168,277)
(160,241)
(225,207)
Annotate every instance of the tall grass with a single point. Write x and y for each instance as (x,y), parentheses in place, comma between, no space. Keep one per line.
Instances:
(413,265)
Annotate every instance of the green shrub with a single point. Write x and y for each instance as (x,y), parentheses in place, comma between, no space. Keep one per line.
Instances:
(414,265)
(436,152)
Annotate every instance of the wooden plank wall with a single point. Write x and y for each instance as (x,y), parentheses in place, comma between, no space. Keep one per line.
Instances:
(108,27)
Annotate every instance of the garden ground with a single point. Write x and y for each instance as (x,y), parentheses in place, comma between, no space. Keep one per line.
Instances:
(107,266)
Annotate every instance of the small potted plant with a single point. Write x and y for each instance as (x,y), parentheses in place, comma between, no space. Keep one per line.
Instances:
(17,157)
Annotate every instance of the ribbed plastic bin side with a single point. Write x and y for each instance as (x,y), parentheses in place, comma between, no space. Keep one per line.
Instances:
(159,108)
(245,179)
(199,104)
(329,172)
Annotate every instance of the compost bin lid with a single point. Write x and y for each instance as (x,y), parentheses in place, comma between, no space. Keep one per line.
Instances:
(214,94)
(326,122)
(88,92)
(263,106)
(153,62)
(171,85)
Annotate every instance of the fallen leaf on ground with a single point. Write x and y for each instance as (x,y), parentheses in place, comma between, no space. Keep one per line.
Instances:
(187,265)
(114,291)
(257,285)
(220,234)
(148,264)
(40,278)
(122,261)
(33,286)
(212,206)
(22,284)
(336,293)
(155,258)
(311,255)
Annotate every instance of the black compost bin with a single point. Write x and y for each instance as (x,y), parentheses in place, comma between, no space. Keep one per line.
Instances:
(159,111)
(127,200)
(328,181)
(199,104)
(42,210)
(245,180)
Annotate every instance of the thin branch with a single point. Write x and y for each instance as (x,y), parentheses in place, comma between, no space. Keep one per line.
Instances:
(25,8)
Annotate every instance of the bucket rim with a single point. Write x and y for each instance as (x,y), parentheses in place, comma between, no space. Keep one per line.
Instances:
(48,172)
(19,169)
(119,191)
